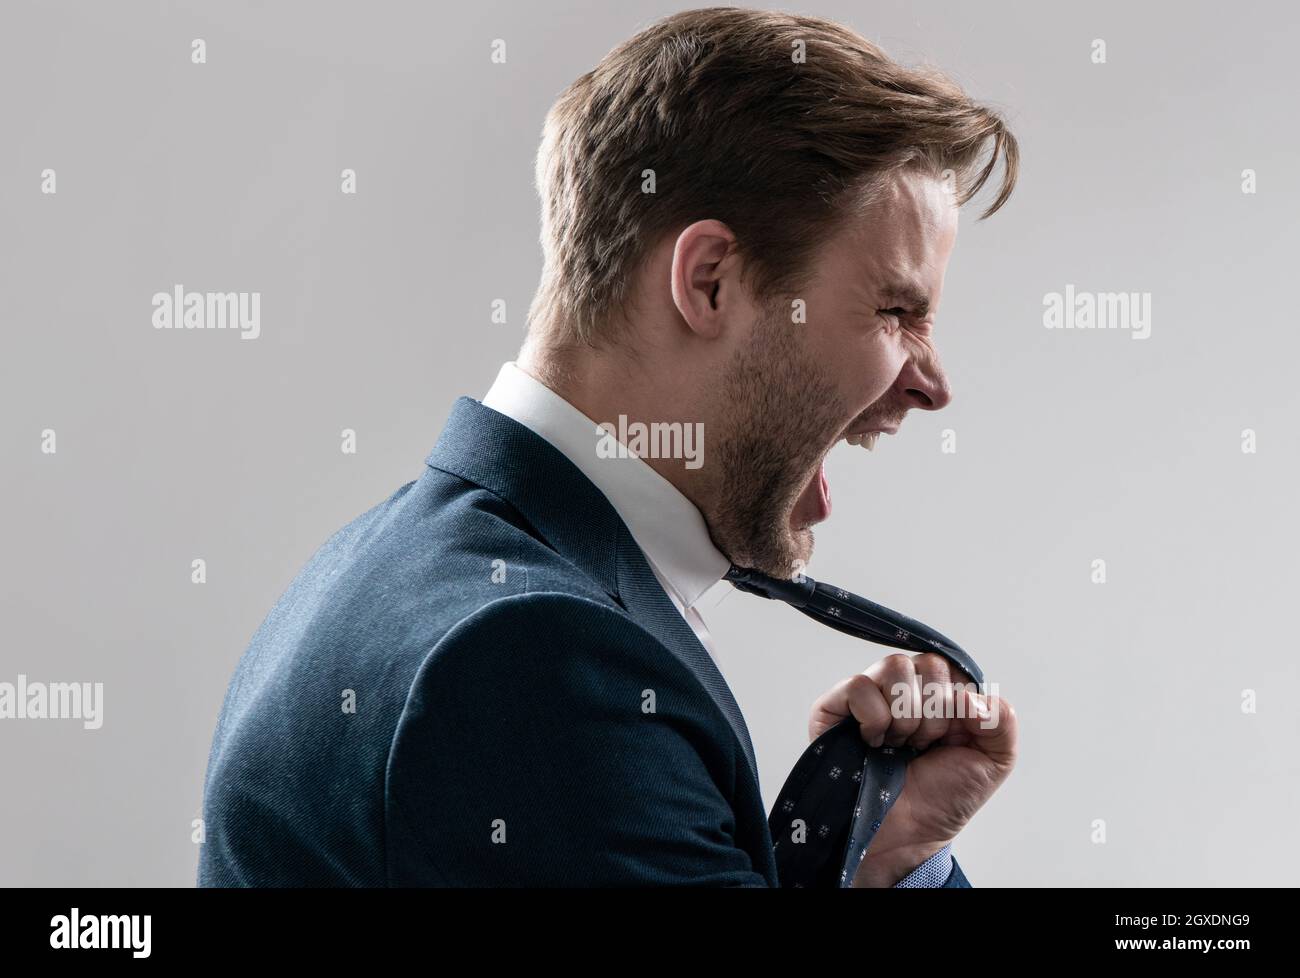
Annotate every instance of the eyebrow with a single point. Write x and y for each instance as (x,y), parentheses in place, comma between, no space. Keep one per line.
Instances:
(914,297)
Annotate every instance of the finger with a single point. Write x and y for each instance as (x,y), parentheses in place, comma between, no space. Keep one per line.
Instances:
(855,697)
(869,708)
(829,709)
(990,724)
(895,676)
(955,737)
(937,708)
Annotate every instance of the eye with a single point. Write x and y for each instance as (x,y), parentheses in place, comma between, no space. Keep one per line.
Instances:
(896,316)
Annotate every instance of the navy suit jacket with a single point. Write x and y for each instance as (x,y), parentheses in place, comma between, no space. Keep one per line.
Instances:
(480,682)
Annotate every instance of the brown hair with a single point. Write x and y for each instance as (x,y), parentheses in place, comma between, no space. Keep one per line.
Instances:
(735,128)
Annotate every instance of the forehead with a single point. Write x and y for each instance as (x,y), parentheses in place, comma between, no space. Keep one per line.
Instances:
(903,237)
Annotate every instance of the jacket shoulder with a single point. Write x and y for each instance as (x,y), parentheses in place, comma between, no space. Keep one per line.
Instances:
(567,643)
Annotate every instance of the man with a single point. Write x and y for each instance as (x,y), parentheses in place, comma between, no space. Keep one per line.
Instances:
(497,676)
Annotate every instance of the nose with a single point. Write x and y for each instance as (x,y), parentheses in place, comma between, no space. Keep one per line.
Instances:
(925,385)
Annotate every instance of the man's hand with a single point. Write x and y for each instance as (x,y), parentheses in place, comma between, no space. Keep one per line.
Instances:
(969,742)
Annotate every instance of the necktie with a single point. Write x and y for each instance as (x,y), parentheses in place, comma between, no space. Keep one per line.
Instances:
(841,789)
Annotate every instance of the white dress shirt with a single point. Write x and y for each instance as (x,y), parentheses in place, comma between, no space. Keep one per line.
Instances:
(664,523)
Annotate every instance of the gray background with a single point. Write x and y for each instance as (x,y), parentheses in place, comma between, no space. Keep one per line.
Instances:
(1071,445)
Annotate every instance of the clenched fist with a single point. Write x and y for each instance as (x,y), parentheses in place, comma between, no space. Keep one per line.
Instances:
(969,744)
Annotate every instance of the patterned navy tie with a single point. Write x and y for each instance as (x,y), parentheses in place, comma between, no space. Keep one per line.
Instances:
(841,788)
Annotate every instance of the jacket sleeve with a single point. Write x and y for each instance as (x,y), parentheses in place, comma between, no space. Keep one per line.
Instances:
(549,741)
(957,879)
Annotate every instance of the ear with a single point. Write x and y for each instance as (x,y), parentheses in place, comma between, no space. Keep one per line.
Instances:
(706,276)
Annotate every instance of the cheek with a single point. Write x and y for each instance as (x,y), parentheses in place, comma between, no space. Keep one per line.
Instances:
(881,361)
(863,363)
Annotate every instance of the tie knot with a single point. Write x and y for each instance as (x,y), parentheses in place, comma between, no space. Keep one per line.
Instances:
(794,592)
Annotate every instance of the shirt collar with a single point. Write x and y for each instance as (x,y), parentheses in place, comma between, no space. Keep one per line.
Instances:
(665,524)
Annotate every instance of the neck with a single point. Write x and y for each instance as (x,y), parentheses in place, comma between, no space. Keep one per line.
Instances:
(627,389)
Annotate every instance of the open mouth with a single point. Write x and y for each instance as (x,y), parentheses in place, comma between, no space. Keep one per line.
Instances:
(814,503)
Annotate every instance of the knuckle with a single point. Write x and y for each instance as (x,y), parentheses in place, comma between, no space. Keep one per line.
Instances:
(897,662)
(860,684)
(932,663)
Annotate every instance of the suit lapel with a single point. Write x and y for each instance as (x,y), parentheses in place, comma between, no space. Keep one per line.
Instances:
(646,601)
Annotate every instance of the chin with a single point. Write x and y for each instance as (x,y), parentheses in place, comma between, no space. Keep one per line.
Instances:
(786,558)
(803,550)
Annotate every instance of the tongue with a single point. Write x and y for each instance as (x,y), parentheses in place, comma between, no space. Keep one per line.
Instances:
(814,503)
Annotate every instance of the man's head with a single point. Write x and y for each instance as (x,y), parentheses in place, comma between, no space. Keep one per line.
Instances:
(747,217)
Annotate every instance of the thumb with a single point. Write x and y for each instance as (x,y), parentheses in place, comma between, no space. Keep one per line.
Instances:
(991,724)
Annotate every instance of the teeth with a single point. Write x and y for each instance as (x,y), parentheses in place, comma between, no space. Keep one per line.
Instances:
(867,441)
